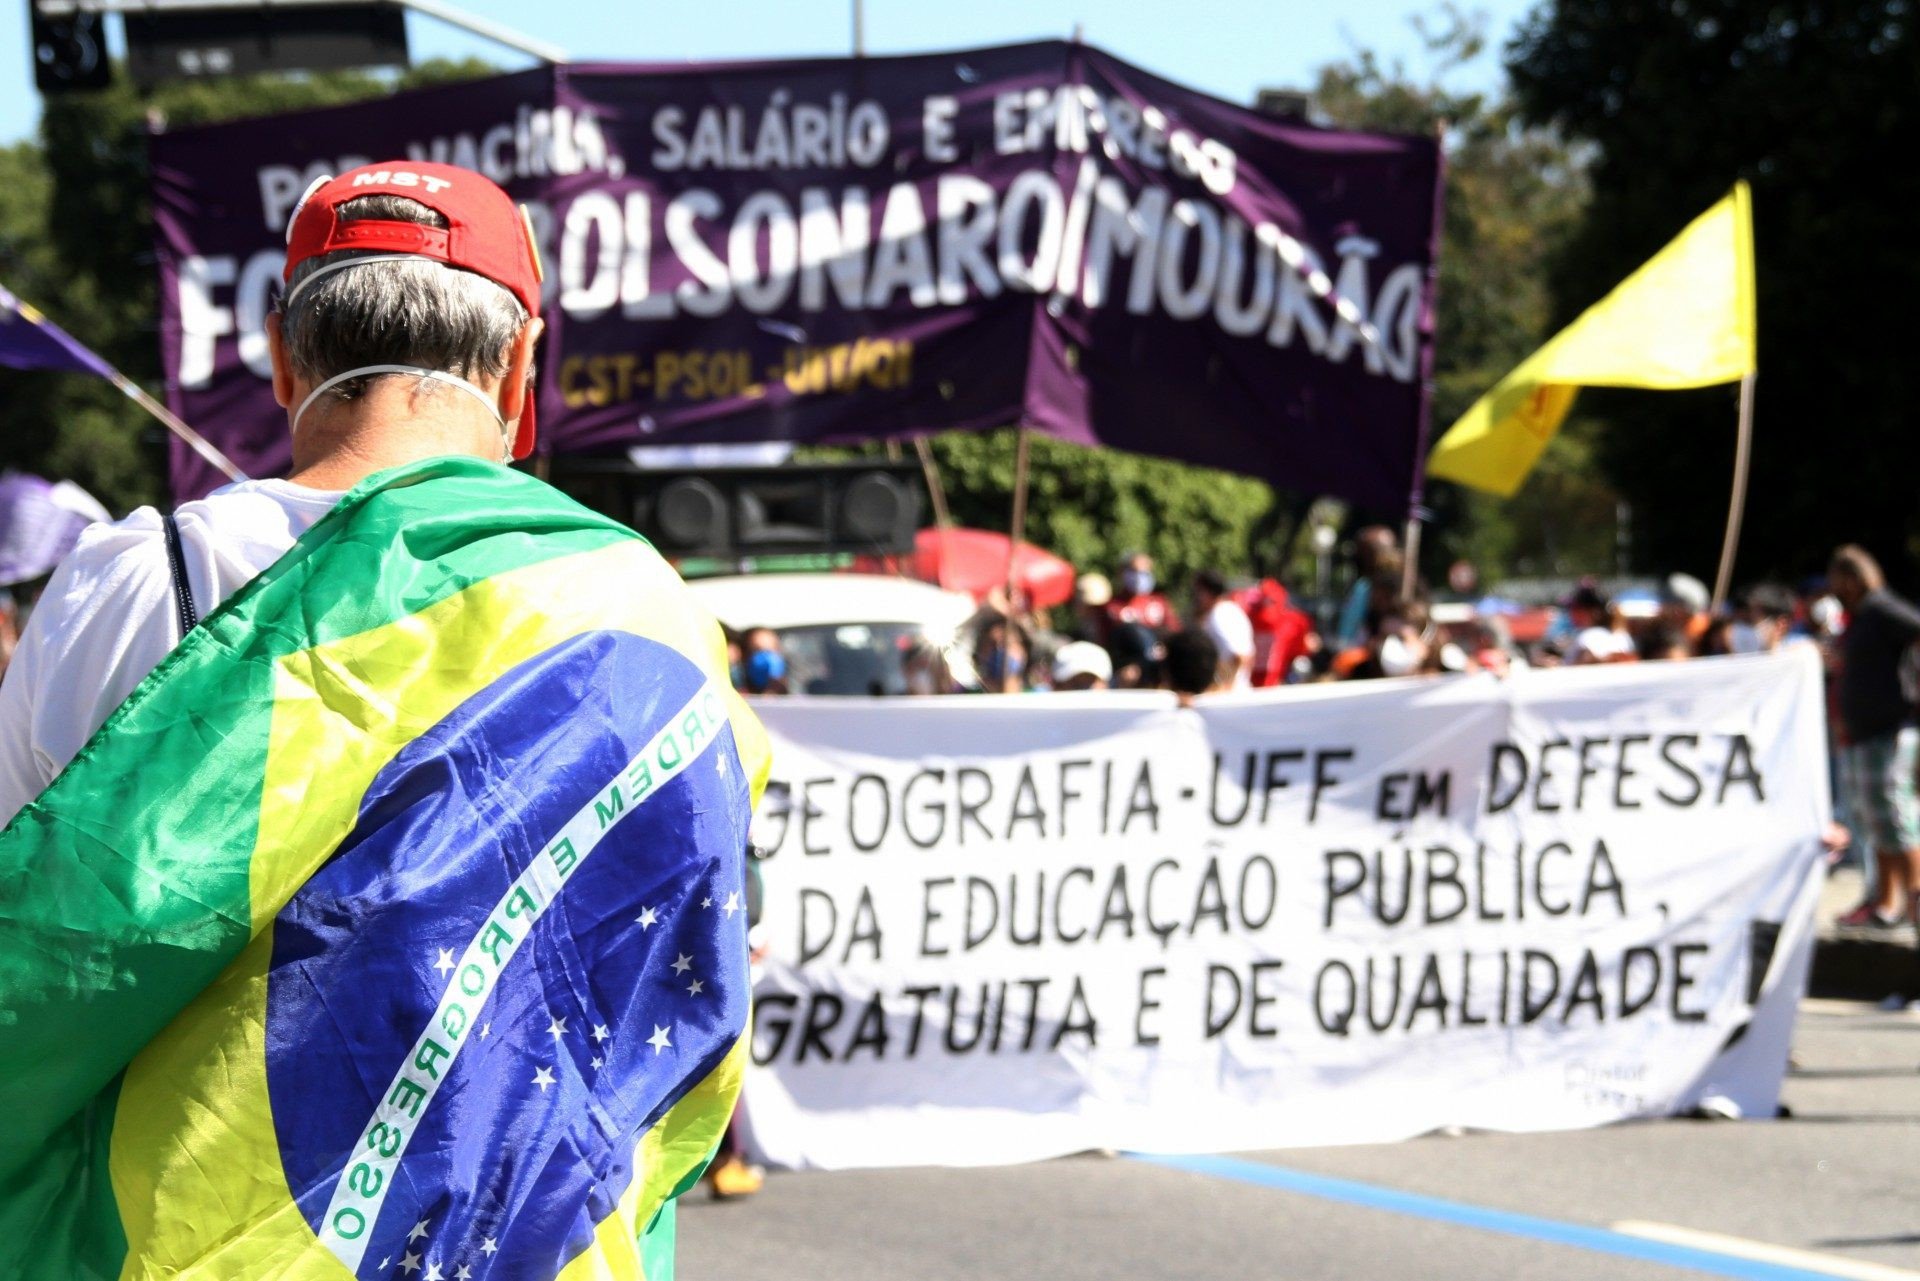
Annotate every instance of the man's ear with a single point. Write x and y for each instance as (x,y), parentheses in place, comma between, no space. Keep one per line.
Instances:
(282,367)
(518,383)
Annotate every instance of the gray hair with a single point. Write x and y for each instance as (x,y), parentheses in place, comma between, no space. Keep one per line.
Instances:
(396,313)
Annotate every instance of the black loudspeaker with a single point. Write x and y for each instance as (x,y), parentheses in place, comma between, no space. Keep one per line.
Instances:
(874,506)
(689,513)
(740,512)
(69,52)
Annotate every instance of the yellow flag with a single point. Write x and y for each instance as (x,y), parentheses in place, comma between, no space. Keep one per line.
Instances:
(1685,319)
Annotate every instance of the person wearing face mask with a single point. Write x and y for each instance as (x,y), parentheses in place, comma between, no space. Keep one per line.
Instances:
(1139,600)
(406,332)
(764,670)
(363,716)
(1766,624)
(1001,658)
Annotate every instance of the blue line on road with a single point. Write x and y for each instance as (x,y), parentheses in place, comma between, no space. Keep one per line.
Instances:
(1506,1222)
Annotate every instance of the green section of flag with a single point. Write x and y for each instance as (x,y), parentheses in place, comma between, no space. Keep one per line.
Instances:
(124,890)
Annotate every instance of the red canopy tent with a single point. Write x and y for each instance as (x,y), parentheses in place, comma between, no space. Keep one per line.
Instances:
(975,561)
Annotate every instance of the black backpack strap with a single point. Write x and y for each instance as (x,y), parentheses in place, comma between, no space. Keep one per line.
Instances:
(177,563)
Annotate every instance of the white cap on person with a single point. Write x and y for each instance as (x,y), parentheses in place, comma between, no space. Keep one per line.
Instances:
(1081,658)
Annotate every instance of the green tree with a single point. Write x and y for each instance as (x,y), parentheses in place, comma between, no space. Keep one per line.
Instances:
(1513,197)
(76,238)
(1093,506)
(1817,104)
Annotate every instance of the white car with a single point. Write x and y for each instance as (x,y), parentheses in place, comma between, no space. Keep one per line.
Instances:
(843,633)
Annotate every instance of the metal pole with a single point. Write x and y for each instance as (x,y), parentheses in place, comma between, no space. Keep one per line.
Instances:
(935,490)
(859,28)
(198,443)
(1410,570)
(1019,526)
(1742,457)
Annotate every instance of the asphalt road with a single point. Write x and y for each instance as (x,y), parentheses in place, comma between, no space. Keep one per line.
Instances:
(1830,1191)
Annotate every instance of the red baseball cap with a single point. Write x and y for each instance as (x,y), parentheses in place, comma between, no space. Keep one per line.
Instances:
(486,233)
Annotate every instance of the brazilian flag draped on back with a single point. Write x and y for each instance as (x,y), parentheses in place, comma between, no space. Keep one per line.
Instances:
(393,927)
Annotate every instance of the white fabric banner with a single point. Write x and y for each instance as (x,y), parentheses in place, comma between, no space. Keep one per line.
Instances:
(1007,928)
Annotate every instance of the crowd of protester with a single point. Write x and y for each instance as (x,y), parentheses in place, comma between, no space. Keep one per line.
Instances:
(1129,632)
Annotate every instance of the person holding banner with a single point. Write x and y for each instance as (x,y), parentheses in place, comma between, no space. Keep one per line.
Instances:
(1228,626)
(298,773)
(1882,748)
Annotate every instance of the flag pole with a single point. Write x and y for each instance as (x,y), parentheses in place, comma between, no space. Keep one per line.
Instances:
(1018,529)
(84,360)
(1430,287)
(195,441)
(1410,568)
(1742,458)
(935,490)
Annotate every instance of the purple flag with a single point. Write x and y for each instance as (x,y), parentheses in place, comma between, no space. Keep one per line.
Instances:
(40,521)
(28,340)
(848,249)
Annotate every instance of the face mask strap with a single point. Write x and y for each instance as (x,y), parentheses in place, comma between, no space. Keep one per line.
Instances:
(286,300)
(437,375)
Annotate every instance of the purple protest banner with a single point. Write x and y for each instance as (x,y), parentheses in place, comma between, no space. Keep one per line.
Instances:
(851,249)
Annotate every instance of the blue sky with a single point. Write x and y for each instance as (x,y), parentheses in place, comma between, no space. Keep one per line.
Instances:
(1226,47)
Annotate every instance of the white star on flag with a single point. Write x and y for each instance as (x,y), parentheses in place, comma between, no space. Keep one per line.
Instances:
(597,1062)
(600,1032)
(647,919)
(720,764)
(660,1040)
(707,901)
(486,1030)
(558,1027)
(487,1247)
(732,904)
(463,1273)
(695,988)
(419,1230)
(409,1262)
(433,1273)
(445,962)
(543,1078)
(682,963)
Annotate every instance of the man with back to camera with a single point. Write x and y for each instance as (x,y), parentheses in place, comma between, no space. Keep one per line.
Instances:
(433,359)
(403,352)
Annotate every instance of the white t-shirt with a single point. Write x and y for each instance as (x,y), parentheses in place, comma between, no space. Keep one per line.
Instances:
(1600,645)
(1232,633)
(108,617)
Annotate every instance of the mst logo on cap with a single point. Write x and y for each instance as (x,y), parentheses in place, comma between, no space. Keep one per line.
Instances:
(486,233)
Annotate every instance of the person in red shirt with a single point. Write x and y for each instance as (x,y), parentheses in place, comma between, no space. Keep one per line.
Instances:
(1282,632)
(1137,600)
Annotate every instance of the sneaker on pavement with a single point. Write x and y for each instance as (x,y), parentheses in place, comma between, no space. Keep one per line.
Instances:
(733,1177)
(1868,917)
